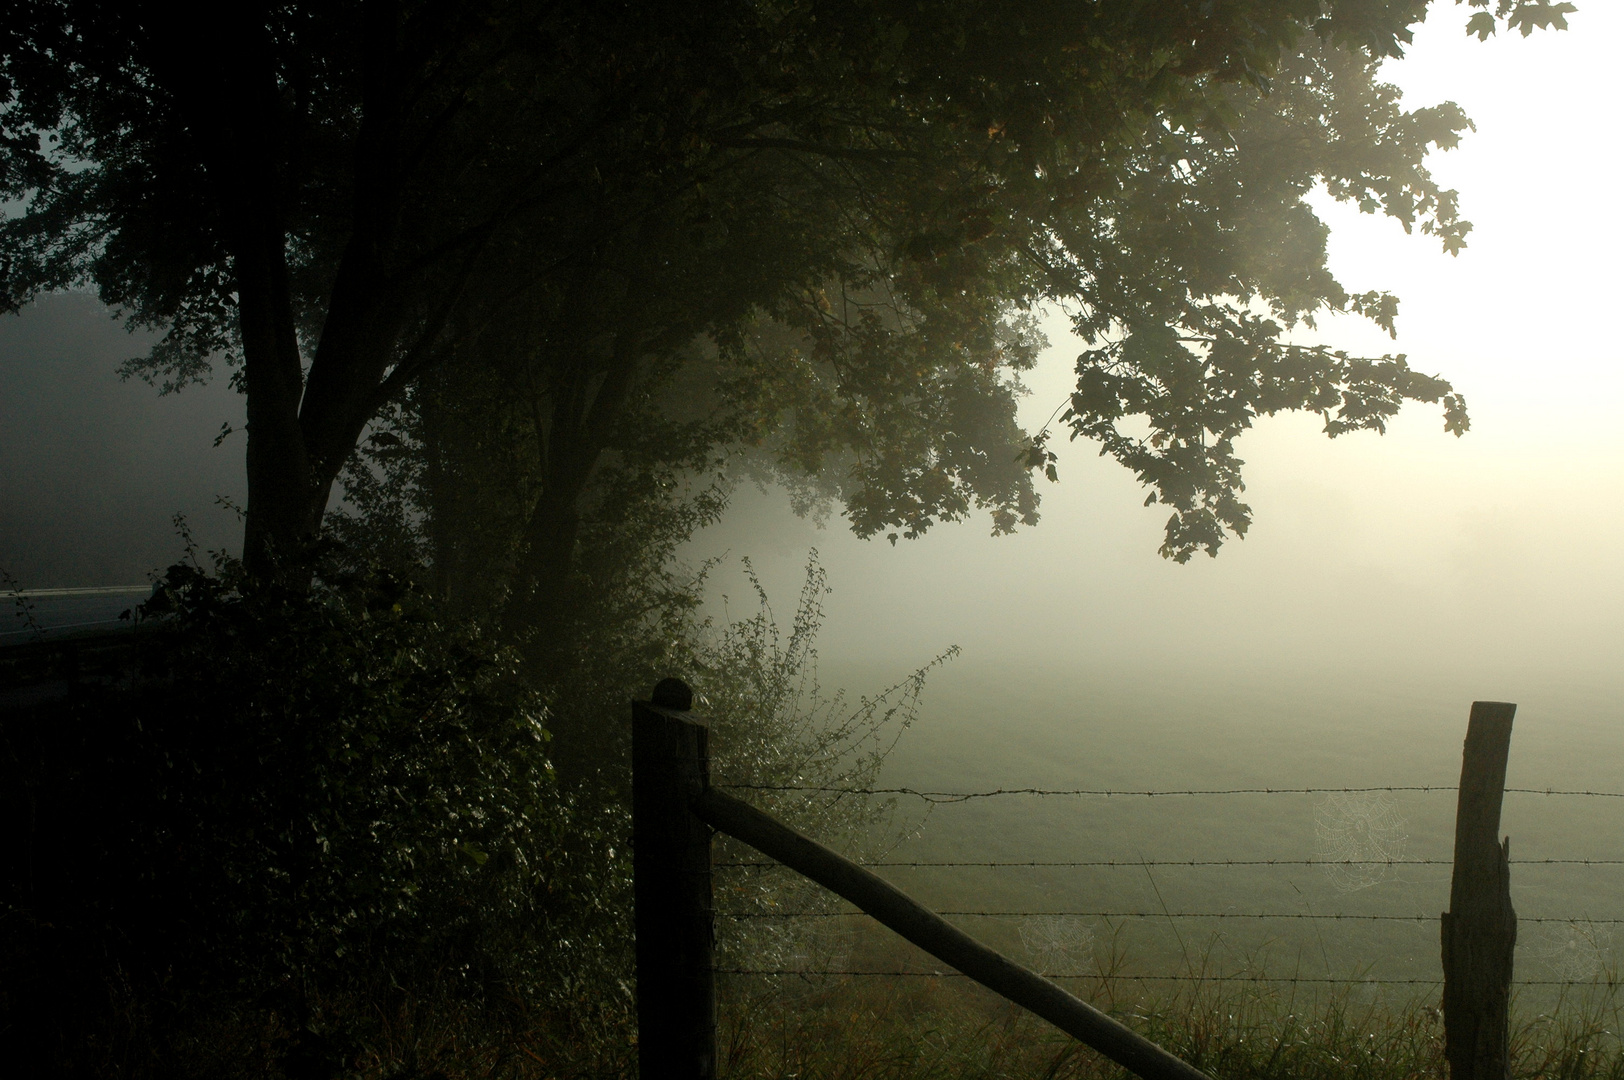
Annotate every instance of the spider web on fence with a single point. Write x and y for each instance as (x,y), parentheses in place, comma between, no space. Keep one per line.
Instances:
(1360,835)
(1575,951)
(1060,944)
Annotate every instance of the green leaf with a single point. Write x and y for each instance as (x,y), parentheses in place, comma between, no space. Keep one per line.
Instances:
(1540,15)
(1482,24)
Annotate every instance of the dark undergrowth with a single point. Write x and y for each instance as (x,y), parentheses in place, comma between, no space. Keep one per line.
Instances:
(855,1029)
(936,1029)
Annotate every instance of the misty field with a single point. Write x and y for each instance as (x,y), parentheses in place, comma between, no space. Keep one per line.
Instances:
(1366,925)
(1342,980)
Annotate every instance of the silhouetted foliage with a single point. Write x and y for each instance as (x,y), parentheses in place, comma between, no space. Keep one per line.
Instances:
(576,191)
(291,827)
(300,795)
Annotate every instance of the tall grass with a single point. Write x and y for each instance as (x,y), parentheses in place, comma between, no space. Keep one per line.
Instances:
(856,1028)
(950,1029)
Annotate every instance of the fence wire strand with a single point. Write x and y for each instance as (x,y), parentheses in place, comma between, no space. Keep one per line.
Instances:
(1292,979)
(1136,864)
(1328,916)
(1110,978)
(944,797)
(949,797)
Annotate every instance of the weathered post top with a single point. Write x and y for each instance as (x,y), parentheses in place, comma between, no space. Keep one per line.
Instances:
(672,694)
(1483,778)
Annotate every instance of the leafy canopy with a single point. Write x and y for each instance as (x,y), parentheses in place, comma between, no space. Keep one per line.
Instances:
(855,204)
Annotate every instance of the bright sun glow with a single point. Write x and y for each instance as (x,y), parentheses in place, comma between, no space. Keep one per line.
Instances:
(1493,557)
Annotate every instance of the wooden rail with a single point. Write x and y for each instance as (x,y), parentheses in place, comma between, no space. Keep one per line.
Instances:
(893,908)
(672,805)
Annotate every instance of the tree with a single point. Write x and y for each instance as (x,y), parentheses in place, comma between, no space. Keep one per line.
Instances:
(339,198)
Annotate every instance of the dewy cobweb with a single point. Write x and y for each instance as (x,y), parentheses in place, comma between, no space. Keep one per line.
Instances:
(1574,952)
(1058,944)
(1360,834)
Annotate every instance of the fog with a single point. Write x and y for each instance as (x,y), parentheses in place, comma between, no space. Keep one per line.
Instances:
(1386,583)
(1493,560)
(92,469)
(1411,564)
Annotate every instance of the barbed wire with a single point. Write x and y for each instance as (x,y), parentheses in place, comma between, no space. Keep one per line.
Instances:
(1094,915)
(1292,979)
(945,797)
(1137,863)
(1327,916)
(1110,978)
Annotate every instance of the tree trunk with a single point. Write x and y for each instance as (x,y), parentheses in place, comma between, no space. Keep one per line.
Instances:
(583,421)
(229,93)
(299,433)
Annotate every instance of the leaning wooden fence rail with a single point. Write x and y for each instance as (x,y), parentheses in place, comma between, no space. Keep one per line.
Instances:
(673,810)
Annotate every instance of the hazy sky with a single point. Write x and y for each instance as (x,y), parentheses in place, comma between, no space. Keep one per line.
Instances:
(1495,557)
(92,470)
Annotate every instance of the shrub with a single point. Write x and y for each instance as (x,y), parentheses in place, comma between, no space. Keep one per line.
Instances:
(292,796)
(318,833)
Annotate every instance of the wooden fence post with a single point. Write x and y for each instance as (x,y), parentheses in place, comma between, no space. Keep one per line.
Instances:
(671,865)
(1480,927)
